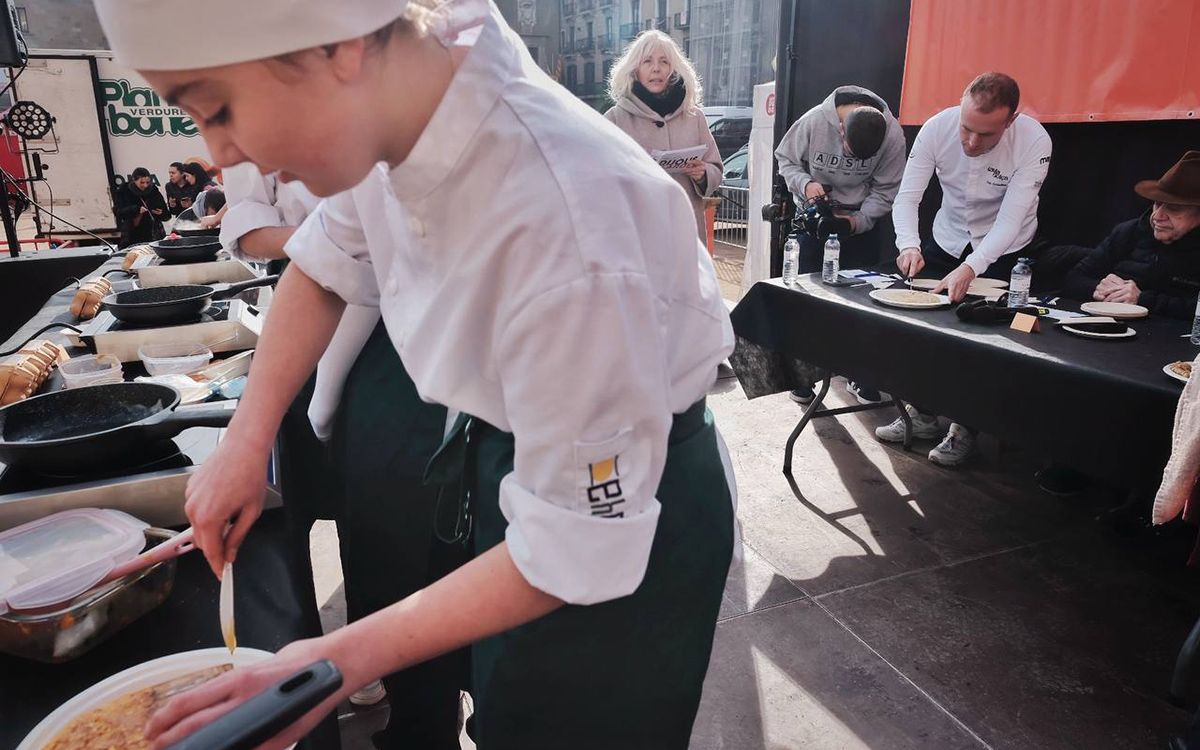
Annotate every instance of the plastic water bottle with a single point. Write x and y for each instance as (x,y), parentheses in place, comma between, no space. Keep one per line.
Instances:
(1019,283)
(833,256)
(1196,324)
(791,259)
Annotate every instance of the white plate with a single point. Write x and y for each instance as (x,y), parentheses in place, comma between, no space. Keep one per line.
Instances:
(1128,333)
(135,678)
(888,297)
(1118,310)
(977,288)
(984,281)
(1172,374)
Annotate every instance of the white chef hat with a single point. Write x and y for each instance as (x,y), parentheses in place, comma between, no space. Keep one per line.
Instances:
(171,35)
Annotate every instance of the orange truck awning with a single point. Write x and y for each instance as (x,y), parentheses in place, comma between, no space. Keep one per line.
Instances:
(1075,60)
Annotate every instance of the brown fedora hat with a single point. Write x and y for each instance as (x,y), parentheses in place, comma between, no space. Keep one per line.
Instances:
(1181,183)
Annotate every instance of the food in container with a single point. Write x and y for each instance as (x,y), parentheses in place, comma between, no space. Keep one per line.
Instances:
(120,723)
(145,675)
(51,609)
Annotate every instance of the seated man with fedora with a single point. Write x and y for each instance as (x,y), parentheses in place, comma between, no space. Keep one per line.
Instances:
(1153,260)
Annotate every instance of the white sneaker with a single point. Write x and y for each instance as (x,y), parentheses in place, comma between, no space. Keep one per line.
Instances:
(369,695)
(954,448)
(922,427)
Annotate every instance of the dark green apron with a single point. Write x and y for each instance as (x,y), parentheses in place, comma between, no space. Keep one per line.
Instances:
(382,438)
(625,673)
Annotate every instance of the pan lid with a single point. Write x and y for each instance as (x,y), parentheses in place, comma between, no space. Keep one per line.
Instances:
(59,557)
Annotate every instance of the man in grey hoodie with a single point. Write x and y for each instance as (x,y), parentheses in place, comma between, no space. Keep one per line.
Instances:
(851,149)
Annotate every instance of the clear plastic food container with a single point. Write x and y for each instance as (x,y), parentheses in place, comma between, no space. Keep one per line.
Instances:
(64,631)
(172,359)
(91,369)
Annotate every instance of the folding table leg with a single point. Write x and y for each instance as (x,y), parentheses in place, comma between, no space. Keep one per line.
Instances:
(900,405)
(809,413)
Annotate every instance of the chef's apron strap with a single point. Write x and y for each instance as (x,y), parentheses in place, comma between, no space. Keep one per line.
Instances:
(447,470)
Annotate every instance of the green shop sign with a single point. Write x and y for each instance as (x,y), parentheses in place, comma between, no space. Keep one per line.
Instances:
(138,111)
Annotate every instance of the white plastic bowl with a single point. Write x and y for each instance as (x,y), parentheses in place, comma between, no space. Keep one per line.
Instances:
(91,369)
(174,359)
(135,678)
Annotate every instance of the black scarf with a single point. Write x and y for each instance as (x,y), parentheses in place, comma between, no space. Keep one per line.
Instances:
(663,104)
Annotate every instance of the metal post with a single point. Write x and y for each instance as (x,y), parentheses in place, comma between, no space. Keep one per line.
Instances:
(10,224)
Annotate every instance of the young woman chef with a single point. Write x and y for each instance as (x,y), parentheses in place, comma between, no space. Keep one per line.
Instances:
(534,269)
(353,446)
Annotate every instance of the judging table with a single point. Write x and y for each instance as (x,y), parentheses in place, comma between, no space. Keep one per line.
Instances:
(272,586)
(1104,407)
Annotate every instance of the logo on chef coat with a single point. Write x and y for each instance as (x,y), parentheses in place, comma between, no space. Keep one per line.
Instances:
(604,494)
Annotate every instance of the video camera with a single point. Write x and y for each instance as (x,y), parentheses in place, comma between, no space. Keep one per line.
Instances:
(815,218)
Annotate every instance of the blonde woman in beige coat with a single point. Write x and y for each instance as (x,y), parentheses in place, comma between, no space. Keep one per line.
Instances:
(658,98)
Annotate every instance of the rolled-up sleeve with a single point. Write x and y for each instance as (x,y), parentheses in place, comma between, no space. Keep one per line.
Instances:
(331,248)
(251,200)
(588,400)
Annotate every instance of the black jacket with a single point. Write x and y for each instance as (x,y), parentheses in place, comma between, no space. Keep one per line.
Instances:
(179,198)
(1168,275)
(129,203)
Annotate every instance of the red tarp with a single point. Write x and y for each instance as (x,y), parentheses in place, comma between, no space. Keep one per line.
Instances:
(1075,60)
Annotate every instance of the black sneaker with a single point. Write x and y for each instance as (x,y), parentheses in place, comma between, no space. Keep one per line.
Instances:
(803,396)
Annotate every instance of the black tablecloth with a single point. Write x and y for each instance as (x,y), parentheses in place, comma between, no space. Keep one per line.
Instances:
(274,605)
(1103,407)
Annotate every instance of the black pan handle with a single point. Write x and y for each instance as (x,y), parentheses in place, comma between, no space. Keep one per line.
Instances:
(40,331)
(118,270)
(268,713)
(225,291)
(208,414)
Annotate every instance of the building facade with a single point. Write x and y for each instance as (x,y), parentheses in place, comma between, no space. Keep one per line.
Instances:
(733,48)
(59,24)
(596,32)
(538,22)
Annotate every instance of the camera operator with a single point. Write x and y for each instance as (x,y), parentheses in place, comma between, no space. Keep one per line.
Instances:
(848,151)
(843,161)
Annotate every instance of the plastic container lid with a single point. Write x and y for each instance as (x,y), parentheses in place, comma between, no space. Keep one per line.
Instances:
(57,558)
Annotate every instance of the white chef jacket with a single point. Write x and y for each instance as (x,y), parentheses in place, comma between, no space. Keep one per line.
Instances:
(988,201)
(537,269)
(255,201)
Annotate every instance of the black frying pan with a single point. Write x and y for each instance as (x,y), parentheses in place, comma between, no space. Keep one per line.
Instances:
(173,304)
(97,426)
(267,714)
(187,249)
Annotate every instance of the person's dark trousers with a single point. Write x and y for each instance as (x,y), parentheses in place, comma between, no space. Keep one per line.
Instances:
(858,250)
(383,436)
(310,490)
(938,262)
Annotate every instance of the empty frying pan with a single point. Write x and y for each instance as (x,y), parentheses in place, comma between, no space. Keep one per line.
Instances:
(96,426)
(173,304)
(187,249)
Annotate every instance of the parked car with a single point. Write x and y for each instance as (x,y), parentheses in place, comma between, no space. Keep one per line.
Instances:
(731,133)
(735,187)
(736,170)
(712,114)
